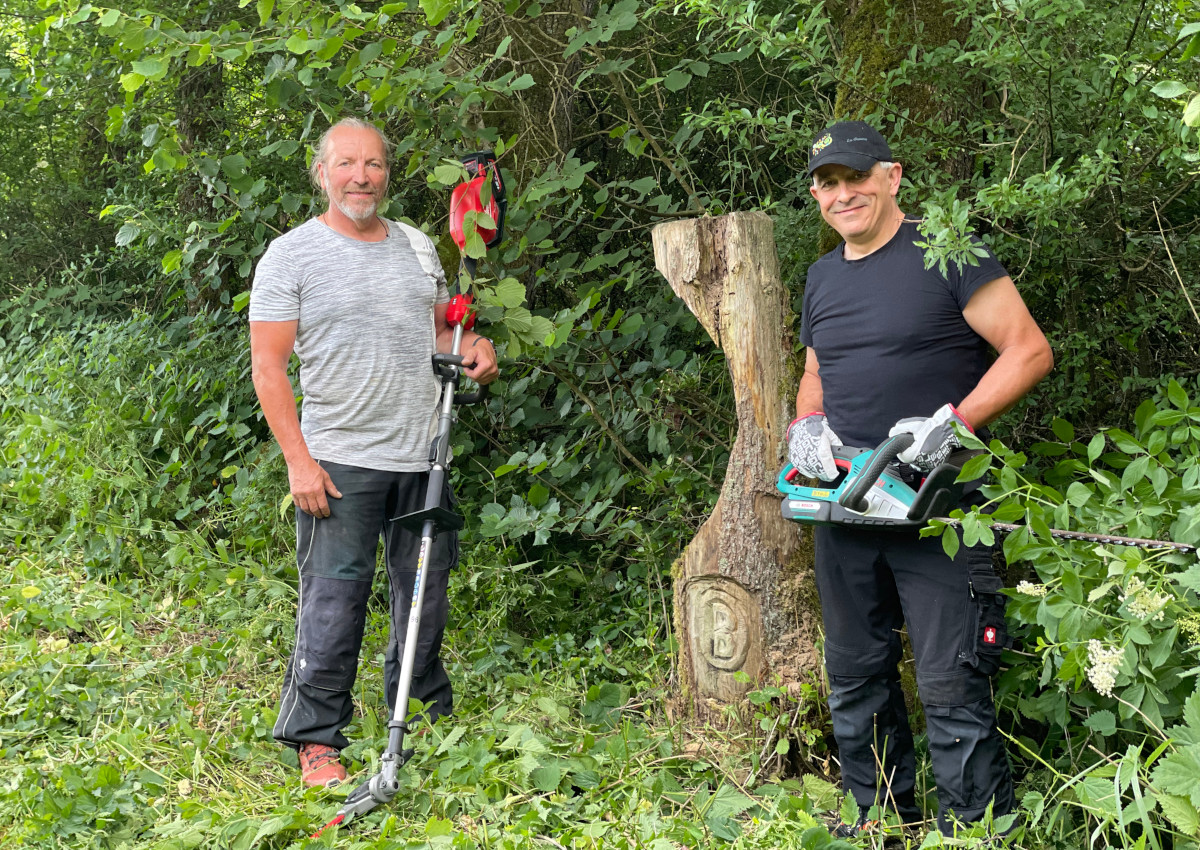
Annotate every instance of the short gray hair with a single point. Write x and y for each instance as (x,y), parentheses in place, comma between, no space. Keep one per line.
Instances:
(322,150)
(887,166)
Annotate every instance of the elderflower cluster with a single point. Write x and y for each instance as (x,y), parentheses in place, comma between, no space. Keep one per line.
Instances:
(1143,603)
(1103,663)
(1189,627)
(1030,589)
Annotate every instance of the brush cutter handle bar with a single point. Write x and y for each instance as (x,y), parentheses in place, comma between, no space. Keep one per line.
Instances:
(446,367)
(855,496)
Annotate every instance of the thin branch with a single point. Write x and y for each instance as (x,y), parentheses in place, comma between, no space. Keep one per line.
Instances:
(619,86)
(1175,268)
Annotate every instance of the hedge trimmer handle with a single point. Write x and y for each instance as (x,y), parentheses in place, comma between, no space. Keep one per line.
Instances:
(855,496)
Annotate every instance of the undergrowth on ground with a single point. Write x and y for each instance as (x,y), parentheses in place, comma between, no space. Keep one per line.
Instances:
(148,612)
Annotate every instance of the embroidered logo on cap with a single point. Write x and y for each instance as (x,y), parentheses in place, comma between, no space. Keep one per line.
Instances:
(822,143)
(989,635)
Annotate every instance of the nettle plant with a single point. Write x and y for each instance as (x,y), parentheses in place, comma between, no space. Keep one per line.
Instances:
(1109,636)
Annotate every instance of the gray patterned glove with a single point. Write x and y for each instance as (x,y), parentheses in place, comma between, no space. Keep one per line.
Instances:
(933,437)
(810,446)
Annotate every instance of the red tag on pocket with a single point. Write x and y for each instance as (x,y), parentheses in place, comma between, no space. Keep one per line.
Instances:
(989,635)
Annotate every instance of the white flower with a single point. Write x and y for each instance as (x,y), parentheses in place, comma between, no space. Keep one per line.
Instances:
(1142,602)
(1030,589)
(1103,663)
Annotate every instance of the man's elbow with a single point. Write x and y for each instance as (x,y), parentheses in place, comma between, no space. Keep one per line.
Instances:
(263,374)
(1045,359)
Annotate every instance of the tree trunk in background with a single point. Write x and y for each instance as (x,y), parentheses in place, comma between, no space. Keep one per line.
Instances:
(201,115)
(744,595)
(876,36)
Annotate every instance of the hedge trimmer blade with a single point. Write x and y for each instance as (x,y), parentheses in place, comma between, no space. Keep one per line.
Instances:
(1086,536)
(871,493)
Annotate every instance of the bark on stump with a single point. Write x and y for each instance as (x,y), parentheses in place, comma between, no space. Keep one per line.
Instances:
(744,599)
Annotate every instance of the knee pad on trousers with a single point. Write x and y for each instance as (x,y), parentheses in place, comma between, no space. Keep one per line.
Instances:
(958,687)
(329,631)
(970,764)
(863,663)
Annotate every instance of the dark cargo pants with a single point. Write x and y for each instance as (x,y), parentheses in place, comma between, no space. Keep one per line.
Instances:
(336,559)
(871,584)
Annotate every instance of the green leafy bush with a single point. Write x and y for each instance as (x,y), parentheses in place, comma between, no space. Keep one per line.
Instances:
(1110,634)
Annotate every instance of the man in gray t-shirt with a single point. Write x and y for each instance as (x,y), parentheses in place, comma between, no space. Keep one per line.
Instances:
(361,301)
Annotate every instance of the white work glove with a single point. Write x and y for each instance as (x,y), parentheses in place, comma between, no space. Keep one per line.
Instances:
(810,446)
(933,437)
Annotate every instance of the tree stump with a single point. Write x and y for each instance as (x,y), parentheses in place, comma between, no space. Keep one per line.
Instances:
(743,590)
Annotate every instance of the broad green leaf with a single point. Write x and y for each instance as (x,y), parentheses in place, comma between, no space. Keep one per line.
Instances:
(1095,448)
(132,82)
(297,43)
(1169,89)
(370,53)
(546,777)
(171,261)
(510,292)
(975,467)
(1134,472)
(1177,396)
(128,232)
(950,542)
(677,80)
(436,10)
(1191,113)
(1079,494)
(1181,812)
(1063,429)
(1104,722)
(264,8)
(631,324)
(1124,441)
(1192,50)
(110,17)
(1179,774)
(447,174)
(1190,579)
(234,165)
(150,68)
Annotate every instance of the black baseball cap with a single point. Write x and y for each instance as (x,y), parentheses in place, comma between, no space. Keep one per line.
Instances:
(854,144)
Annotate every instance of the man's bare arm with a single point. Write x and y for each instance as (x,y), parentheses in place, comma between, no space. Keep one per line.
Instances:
(811,395)
(271,346)
(479,357)
(998,314)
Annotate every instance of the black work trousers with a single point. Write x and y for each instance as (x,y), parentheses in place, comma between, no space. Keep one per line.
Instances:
(871,584)
(336,558)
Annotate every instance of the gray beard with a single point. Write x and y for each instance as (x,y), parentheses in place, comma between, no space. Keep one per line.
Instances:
(359,216)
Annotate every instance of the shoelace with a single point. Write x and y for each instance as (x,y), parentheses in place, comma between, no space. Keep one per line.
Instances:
(316,757)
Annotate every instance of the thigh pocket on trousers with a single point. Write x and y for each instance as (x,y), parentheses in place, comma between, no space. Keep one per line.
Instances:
(986,634)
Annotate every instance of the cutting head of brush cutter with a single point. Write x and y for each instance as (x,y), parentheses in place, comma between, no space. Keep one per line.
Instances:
(482,193)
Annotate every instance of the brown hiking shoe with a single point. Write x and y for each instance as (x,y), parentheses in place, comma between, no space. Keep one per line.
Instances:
(320,767)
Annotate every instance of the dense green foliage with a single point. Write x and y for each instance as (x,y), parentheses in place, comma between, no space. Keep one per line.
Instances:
(151,151)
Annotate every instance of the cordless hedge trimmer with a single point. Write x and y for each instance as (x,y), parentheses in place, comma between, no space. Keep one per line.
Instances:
(434,519)
(872,494)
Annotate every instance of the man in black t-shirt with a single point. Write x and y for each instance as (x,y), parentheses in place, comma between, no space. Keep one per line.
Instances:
(894,347)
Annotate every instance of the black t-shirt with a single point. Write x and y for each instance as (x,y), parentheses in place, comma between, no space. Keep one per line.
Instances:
(890,336)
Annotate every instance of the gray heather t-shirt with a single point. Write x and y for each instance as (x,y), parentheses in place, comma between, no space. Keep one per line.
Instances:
(364,338)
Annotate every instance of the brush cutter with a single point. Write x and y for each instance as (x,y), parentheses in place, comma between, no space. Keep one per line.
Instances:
(433,519)
(873,494)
